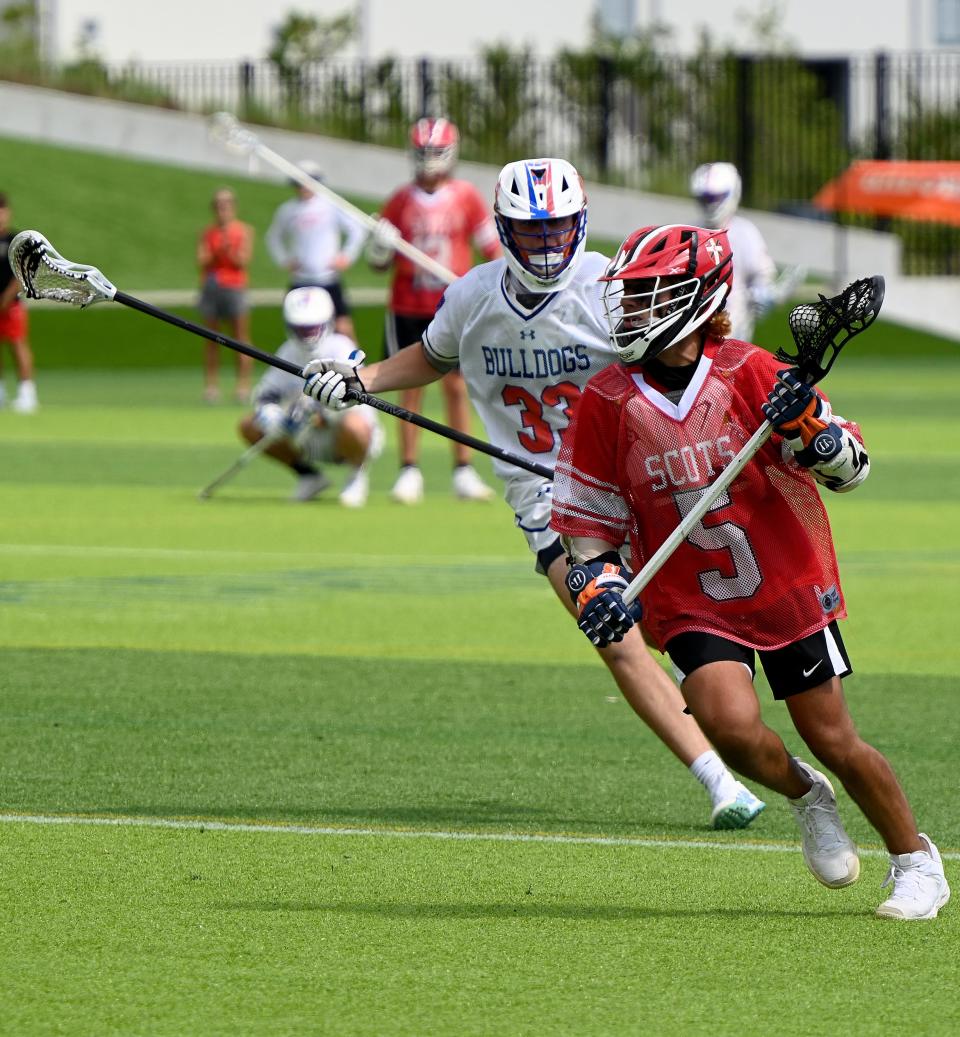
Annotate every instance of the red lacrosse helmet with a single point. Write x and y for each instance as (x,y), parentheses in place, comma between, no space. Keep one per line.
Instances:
(434,143)
(662,283)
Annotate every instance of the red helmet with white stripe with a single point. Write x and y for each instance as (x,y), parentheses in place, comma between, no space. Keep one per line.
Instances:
(662,284)
(435,143)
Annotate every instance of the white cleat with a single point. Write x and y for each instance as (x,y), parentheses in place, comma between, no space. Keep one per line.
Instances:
(408,489)
(919,886)
(25,402)
(467,485)
(356,489)
(829,852)
(737,811)
(309,486)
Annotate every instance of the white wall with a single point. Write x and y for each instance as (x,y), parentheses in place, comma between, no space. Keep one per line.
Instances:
(181,139)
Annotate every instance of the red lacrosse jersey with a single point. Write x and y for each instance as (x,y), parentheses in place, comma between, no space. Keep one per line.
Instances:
(760,568)
(443,224)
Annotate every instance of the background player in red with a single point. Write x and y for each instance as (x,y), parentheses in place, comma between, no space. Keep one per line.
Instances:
(223,255)
(759,573)
(444,218)
(13,322)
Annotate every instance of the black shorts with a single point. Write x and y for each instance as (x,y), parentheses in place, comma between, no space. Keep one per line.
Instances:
(796,668)
(340,305)
(401,331)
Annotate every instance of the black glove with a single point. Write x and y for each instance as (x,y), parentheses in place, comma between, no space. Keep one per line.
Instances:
(802,416)
(597,588)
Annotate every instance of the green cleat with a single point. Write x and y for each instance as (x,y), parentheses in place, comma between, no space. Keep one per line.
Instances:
(737,812)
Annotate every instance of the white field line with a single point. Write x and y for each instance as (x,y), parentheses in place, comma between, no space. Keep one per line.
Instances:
(642,842)
(109,551)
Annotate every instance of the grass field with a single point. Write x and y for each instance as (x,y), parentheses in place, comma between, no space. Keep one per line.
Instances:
(270,769)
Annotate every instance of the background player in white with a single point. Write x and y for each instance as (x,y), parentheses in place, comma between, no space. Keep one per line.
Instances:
(528,331)
(717,187)
(444,218)
(303,433)
(315,242)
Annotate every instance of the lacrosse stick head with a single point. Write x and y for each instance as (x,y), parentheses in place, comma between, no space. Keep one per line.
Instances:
(44,274)
(821,329)
(226,130)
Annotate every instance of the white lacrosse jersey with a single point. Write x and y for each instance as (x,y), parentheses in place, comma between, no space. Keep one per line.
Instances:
(278,386)
(311,232)
(753,275)
(524,369)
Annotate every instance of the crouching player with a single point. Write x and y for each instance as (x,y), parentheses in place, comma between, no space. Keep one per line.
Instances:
(759,574)
(303,435)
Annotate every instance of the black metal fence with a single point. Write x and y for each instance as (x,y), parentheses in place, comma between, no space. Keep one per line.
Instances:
(642,121)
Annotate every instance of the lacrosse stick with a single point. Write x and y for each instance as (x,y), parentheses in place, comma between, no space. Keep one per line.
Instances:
(250,454)
(226,130)
(820,330)
(44,274)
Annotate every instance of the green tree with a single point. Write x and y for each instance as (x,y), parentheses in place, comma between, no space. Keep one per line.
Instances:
(300,43)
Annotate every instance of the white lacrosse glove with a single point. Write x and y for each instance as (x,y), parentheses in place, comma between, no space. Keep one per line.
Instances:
(382,243)
(271,419)
(334,383)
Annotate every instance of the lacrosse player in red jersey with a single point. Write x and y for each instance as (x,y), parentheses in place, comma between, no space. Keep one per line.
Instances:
(528,331)
(303,434)
(13,322)
(443,217)
(759,573)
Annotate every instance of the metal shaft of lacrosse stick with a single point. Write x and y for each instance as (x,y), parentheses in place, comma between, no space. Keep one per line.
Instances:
(713,492)
(251,453)
(228,131)
(372,401)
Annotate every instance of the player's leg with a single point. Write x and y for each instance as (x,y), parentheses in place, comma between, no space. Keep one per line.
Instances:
(657,701)
(467,484)
(400,332)
(209,307)
(240,329)
(718,686)
(357,443)
(14,332)
(311,479)
(822,719)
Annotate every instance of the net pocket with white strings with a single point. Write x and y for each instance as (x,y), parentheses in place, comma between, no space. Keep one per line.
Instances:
(45,274)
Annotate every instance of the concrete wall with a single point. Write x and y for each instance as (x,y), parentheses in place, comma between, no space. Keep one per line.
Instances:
(153,134)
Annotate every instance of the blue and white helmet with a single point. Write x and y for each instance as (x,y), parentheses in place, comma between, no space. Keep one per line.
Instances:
(547,194)
(717,187)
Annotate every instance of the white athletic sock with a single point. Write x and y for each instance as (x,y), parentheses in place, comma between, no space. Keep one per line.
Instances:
(713,775)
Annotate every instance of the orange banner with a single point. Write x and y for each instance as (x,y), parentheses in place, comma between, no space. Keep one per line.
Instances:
(916,190)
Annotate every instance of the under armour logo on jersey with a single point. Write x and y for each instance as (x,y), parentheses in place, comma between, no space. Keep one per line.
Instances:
(531,333)
(715,249)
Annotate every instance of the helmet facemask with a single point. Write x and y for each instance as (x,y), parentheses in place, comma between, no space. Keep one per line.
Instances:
(647,315)
(543,248)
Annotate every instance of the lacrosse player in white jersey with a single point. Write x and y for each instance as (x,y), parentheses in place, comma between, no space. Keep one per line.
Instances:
(304,434)
(528,331)
(717,187)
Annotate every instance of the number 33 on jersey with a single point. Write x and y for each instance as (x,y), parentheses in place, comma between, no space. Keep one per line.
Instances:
(525,369)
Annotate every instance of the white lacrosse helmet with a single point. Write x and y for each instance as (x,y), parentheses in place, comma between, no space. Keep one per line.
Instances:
(546,194)
(717,187)
(309,315)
